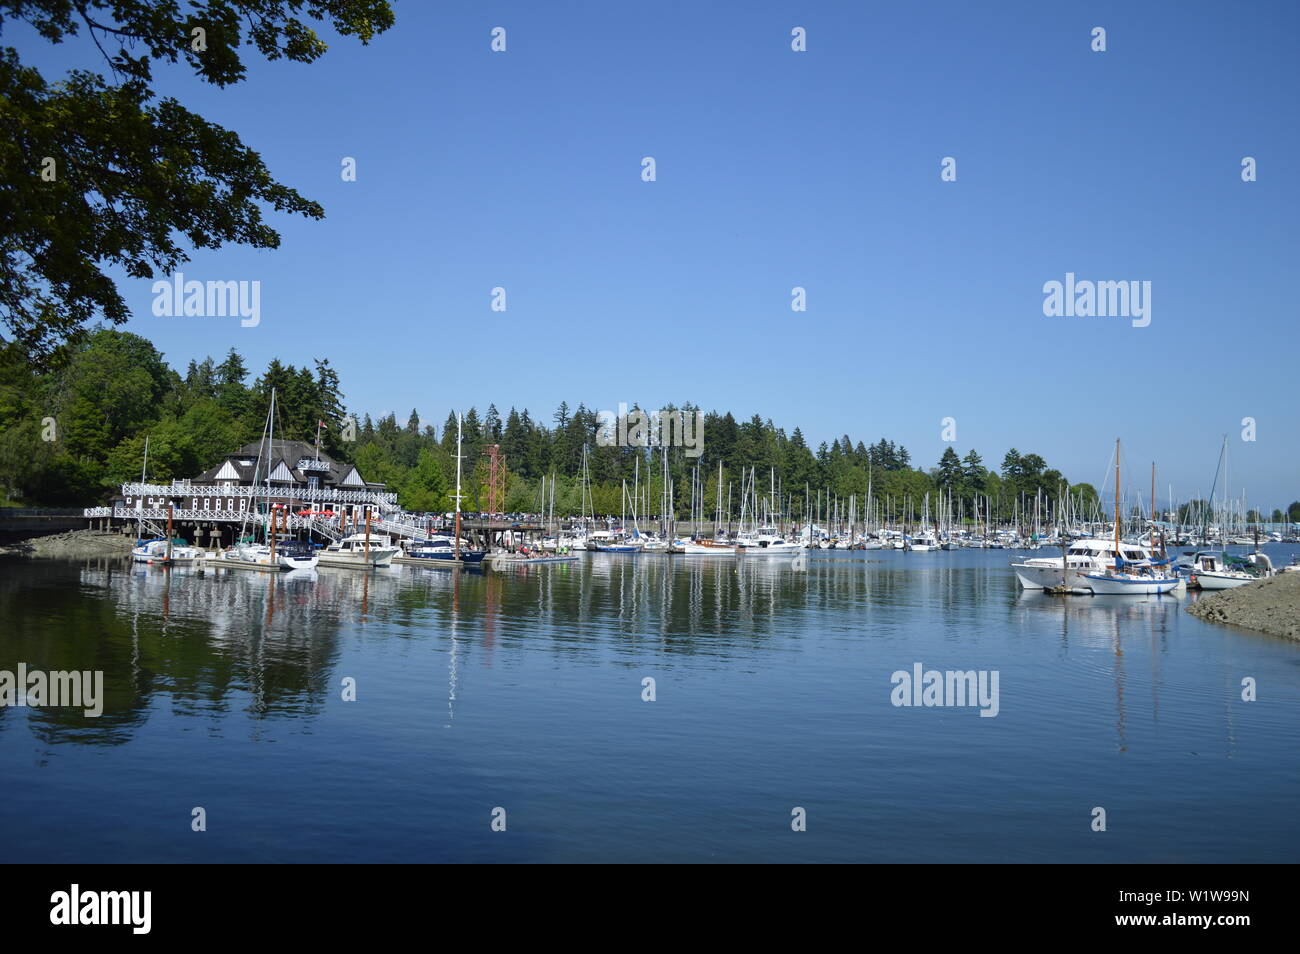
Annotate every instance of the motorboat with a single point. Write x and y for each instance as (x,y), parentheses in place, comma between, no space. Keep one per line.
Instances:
(704,547)
(923,542)
(249,556)
(613,541)
(296,554)
(156,552)
(1218,570)
(359,551)
(767,541)
(442,549)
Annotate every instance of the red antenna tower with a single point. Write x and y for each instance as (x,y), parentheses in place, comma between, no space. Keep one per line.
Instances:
(496,478)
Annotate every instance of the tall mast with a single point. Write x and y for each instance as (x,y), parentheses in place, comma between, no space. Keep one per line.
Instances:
(144,468)
(1153,505)
(458,455)
(270,443)
(1117,498)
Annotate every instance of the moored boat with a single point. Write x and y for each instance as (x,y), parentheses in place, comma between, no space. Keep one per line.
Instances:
(767,541)
(442,549)
(359,551)
(1219,570)
(1115,583)
(1083,557)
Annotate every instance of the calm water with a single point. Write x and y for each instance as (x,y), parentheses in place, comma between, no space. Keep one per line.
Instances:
(522,690)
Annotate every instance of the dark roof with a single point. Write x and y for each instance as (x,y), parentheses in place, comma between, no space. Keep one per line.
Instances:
(332,473)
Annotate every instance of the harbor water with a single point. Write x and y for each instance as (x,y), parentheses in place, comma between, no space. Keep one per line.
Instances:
(639,708)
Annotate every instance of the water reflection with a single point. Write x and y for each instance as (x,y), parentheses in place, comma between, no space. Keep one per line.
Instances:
(205,644)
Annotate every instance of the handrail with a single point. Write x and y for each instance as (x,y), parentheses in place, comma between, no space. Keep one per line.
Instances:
(323,495)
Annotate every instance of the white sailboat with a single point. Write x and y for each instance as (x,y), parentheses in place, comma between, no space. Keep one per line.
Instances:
(272,556)
(1143,579)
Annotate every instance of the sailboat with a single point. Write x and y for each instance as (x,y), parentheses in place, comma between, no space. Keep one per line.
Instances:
(160,551)
(698,545)
(1147,579)
(248,554)
(767,540)
(617,540)
(1218,569)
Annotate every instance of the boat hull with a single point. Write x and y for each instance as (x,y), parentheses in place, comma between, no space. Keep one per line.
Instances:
(1216,581)
(466,556)
(781,550)
(232,562)
(376,558)
(1131,586)
(1037,577)
(702,549)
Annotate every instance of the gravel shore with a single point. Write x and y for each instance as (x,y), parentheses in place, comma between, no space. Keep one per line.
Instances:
(1270,606)
(74,544)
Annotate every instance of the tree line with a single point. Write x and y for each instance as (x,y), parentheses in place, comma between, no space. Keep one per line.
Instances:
(73,432)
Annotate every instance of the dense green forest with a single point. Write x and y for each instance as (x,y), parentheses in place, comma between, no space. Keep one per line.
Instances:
(70,434)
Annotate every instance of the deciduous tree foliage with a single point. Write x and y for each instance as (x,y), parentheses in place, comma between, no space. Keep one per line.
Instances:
(99,172)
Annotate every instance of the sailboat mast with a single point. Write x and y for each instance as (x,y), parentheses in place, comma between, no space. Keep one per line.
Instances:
(1117,498)
(1153,505)
(144,469)
(458,455)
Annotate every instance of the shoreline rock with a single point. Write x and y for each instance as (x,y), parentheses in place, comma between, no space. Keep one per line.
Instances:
(1271,606)
(72,544)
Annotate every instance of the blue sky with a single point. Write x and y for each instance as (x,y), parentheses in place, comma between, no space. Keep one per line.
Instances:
(775,169)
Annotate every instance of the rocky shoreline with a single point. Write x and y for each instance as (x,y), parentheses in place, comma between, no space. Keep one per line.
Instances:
(73,544)
(1270,606)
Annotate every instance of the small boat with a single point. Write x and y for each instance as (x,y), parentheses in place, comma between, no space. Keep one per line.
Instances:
(503,558)
(155,552)
(924,542)
(249,556)
(687,547)
(287,555)
(443,549)
(768,542)
(296,554)
(1217,570)
(613,541)
(359,552)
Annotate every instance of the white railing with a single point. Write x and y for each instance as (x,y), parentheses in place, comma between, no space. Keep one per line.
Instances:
(298,493)
(326,528)
(98,511)
(403,528)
